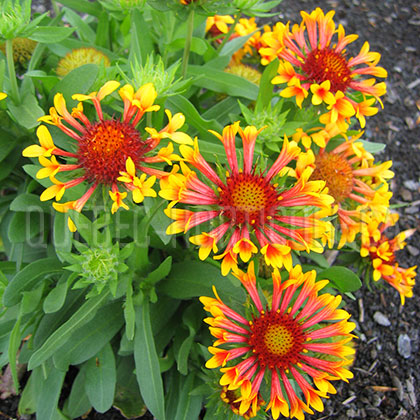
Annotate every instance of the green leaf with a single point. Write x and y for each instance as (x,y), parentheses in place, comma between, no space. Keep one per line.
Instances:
(234,45)
(265,93)
(61,234)
(127,394)
(29,202)
(197,279)
(24,226)
(49,393)
(63,333)
(27,278)
(14,344)
(193,117)
(55,299)
(198,45)
(27,112)
(91,337)
(100,379)
(342,278)
(141,41)
(84,31)
(81,78)
(78,402)
(129,313)
(372,147)
(7,143)
(8,165)
(147,364)
(102,31)
(189,406)
(29,396)
(92,8)
(161,272)
(219,81)
(50,34)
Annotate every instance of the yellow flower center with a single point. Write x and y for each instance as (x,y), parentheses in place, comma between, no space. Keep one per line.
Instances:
(336,172)
(276,339)
(326,64)
(248,198)
(80,56)
(105,147)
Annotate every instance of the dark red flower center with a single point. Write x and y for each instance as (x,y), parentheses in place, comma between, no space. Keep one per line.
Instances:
(276,339)
(326,64)
(105,147)
(336,172)
(248,198)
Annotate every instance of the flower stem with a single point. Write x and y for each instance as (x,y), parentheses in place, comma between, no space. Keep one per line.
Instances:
(12,74)
(187,47)
(230,32)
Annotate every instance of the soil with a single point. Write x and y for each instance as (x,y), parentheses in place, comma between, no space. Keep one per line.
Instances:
(386,383)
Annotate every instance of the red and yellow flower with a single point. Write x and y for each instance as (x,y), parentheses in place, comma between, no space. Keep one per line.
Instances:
(298,343)
(109,152)
(381,251)
(251,211)
(217,25)
(312,62)
(354,180)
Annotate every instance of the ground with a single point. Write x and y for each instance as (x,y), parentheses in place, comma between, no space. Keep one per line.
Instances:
(386,384)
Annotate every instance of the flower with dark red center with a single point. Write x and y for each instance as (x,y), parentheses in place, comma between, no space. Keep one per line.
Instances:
(247,206)
(299,337)
(380,250)
(109,152)
(353,179)
(310,58)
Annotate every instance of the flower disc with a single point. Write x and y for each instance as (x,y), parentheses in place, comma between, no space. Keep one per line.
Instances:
(277,339)
(326,64)
(105,147)
(248,198)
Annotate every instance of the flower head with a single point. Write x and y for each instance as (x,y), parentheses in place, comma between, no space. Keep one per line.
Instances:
(80,56)
(380,250)
(354,180)
(3,96)
(22,49)
(298,343)
(251,210)
(108,152)
(309,54)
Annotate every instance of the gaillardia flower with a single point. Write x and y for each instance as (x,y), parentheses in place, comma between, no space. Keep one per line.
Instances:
(296,345)
(381,251)
(109,152)
(22,49)
(311,61)
(247,206)
(354,180)
(80,56)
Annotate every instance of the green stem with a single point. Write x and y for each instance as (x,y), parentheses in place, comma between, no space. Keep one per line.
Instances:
(230,32)
(12,74)
(55,7)
(187,47)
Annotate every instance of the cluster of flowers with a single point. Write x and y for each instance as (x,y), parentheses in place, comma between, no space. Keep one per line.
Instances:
(295,338)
